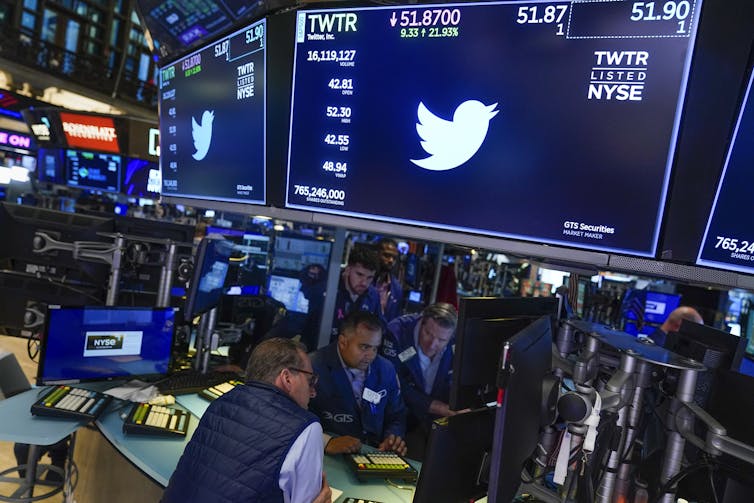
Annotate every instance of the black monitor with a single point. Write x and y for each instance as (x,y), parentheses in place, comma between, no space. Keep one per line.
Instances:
(102,343)
(92,170)
(456,466)
(247,274)
(208,281)
(293,253)
(519,416)
(213,119)
(464,118)
(484,324)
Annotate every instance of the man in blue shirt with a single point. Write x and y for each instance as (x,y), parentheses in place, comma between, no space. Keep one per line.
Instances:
(673,323)
(358,396)
(355,290)
(421,348)
(388,286)
(269,445)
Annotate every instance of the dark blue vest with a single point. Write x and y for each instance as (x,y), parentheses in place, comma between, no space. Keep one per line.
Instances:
(238,448)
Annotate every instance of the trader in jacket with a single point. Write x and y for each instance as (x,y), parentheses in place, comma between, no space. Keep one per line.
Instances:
(421,348)
(358,397)
(355,290)
(257,442)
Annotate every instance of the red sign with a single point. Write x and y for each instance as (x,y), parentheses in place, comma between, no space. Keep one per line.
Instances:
(90,132)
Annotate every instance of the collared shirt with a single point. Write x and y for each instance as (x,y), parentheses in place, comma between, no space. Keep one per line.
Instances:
(429,366)
(301,473)
(356,377)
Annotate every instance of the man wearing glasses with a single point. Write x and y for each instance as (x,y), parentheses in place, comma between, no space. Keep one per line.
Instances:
(258,442)
(358,397)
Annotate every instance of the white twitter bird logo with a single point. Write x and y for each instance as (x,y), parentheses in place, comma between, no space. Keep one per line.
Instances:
(452,143)
(202,135)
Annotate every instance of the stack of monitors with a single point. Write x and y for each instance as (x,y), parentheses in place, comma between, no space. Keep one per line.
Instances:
(212,120)
(469,116)
(728,241)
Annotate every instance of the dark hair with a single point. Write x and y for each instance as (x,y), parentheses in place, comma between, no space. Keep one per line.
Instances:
(364,256)
(442,313)
(273,355)
(386,241)
(355,318)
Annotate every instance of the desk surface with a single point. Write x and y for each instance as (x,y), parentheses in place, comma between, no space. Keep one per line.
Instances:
(18,424)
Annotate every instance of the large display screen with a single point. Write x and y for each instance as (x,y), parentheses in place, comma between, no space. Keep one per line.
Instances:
(728,241)
(212,120)
(546,121)
(92,170)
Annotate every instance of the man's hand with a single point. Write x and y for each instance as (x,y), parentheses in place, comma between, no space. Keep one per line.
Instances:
(442,409)
(325,495)
(394,443)
(343,445)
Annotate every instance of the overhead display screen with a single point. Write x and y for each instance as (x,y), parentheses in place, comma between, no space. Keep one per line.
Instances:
(545,121)
(212,120)
(728,241)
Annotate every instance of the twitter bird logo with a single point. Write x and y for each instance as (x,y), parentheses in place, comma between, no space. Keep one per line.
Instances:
(452,143)
(202,134)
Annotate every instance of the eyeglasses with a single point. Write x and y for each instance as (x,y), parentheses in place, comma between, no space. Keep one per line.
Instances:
(313,378)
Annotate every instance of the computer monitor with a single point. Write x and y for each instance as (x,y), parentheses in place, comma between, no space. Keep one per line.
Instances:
(92,170)
(208,280)
(141,178)
(456,466)
(484,324)
(518,419)
(288,291)
(293,253)
(102,343)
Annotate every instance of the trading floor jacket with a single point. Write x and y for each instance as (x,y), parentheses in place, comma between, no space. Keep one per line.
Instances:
(338,410)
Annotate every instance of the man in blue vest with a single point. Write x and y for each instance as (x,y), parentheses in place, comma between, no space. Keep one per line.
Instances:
(258,442)
(355,290)
(358,396)
(421,348)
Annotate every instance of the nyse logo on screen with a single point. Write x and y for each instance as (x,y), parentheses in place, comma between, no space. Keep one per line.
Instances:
(618,75)
(452,143)
(104,342)
(202,134)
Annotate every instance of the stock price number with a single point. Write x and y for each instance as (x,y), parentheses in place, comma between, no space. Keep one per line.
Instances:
(549,14)
(338,112)
(427,17)
(341,140)
(734,245)
(319,192)
(341,84)
(255,34)
(671,10)
(335,167)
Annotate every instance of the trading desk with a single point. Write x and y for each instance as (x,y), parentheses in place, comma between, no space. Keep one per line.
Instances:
(156,457)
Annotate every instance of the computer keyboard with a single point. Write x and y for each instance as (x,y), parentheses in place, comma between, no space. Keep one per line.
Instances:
(156,420)
(191,381)
(71,403)
(381,465)
(214,392)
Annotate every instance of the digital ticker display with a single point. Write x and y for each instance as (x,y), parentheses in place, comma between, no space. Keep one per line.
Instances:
(728,241)
(212,120)
(547,121)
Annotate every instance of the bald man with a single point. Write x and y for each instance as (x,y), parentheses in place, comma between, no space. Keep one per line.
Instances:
(673,323)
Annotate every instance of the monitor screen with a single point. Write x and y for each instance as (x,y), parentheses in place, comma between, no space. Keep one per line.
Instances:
(92,170)
(484,325)
(212,120)
(99,343)
(208,281)
(536,109)
(141,178)
(295,253)
(728,241)
(288,291)
(50,165)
